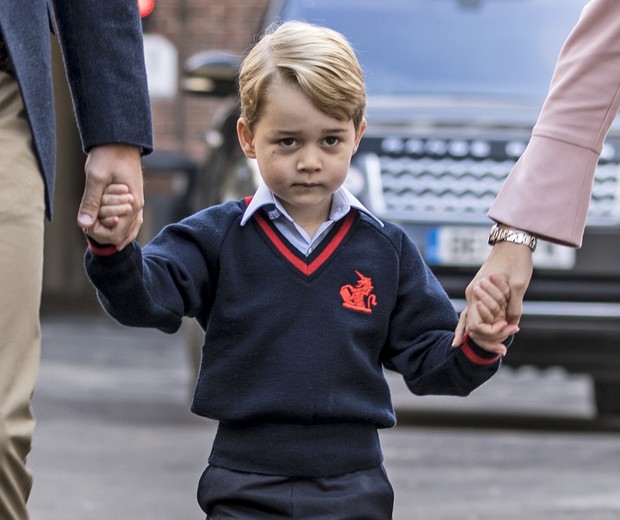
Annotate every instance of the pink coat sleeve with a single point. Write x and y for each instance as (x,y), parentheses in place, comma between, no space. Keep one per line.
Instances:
(548,191)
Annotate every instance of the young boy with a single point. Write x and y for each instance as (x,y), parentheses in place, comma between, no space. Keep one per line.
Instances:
(304,297)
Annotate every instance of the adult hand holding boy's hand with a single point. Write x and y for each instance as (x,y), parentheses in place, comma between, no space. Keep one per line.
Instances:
(106,165)
(486,321)
(513,261)
(115,208)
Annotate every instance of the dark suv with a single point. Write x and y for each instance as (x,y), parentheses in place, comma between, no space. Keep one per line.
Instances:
(454,87)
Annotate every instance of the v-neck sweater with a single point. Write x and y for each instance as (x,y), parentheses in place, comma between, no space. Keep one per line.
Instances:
(292,364)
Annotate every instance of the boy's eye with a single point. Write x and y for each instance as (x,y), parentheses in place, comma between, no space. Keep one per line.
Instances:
(287,142)
(331,140)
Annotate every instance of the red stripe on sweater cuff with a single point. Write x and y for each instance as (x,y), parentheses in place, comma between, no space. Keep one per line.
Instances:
(470,354)
(103,250)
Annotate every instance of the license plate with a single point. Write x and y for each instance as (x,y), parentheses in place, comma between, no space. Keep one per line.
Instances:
(467,246)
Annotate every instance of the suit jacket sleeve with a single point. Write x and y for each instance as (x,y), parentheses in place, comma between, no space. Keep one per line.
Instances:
(548,191)
(102,47)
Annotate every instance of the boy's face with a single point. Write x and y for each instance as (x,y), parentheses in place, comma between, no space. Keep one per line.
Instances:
(303,154)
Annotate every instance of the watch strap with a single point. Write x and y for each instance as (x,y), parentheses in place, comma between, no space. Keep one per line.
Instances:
(516,236)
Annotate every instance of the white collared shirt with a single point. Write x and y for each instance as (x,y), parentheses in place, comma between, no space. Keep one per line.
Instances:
(342,203)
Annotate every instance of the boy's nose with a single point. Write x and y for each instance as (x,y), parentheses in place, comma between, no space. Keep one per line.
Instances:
(309,160)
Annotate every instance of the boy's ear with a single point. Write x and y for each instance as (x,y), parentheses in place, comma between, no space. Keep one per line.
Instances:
(359,134)
(246,138)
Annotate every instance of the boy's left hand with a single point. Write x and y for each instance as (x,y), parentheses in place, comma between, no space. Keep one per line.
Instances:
(485,322)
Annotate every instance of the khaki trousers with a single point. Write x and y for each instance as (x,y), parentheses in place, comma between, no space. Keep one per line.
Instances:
(21,270)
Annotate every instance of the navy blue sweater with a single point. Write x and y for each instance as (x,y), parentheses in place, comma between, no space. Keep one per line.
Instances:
(292,365)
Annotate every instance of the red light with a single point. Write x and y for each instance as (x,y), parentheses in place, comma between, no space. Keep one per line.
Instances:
(146,7)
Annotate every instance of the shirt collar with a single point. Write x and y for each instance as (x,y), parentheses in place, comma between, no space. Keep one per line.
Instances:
(342,203)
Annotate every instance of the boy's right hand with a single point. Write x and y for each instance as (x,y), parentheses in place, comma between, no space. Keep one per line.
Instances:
(116,204)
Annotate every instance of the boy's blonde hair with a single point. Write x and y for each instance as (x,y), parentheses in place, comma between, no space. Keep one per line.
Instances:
(317,59)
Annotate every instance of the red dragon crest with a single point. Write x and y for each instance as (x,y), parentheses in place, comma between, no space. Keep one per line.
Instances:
(359,297)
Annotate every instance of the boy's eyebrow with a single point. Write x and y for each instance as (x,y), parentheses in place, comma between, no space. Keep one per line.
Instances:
(340,130)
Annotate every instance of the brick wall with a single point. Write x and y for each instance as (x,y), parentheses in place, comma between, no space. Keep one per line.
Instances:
(193,26)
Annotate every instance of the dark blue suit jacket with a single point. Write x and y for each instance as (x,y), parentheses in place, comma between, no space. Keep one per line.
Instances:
(101,43)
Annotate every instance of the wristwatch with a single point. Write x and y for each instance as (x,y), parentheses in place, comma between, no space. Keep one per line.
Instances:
(516,236)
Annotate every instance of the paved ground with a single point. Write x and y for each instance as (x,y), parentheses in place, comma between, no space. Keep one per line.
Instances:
(115,439)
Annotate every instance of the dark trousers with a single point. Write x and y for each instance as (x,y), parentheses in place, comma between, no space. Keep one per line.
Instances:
(363,495)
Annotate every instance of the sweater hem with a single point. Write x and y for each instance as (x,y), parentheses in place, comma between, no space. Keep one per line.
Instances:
(292,450)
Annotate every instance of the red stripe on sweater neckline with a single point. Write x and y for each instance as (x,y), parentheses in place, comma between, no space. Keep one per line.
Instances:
(285,251)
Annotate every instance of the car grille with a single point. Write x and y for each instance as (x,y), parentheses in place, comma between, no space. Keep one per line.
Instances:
(448,180)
